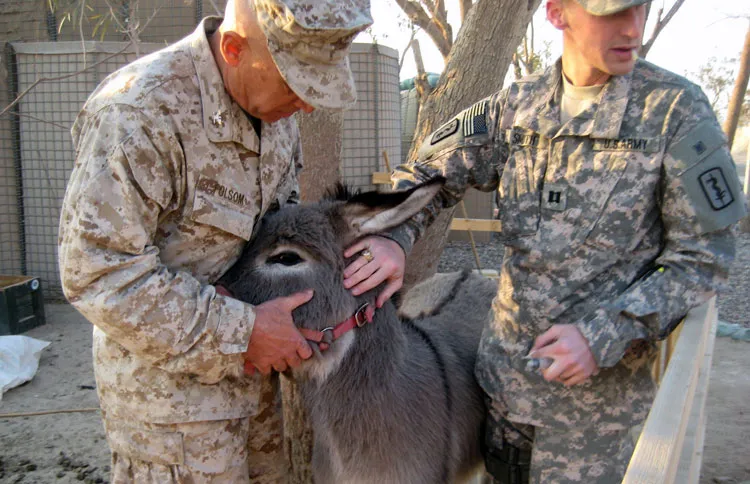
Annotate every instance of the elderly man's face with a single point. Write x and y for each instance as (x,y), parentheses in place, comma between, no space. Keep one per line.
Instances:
(256,84)
(268,97)
(602,45)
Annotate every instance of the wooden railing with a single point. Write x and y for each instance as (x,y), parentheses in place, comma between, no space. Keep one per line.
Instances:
(670,447)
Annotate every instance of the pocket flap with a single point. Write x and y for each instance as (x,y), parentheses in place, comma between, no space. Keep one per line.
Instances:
(211,209)
(164,448)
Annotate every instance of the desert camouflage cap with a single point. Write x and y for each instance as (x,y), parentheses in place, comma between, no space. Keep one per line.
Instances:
(309,41)
(608,7)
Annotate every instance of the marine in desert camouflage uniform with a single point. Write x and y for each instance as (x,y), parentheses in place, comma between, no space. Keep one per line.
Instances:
(179,155)
(616,217)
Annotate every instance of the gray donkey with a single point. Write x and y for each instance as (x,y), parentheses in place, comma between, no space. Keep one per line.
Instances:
(394,401)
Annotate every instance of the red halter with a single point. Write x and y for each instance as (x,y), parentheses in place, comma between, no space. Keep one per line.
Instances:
(361,316)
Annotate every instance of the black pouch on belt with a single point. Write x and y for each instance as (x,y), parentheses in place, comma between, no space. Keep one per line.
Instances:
(509,464)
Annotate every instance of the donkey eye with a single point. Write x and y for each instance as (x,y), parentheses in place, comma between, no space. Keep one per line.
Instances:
(285,258)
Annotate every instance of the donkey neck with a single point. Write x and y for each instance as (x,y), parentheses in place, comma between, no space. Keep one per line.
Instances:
(374,352)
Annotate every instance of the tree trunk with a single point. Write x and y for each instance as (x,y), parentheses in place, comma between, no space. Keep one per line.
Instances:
(321,171)
(321,160)
(476,68)
(298,434)
(738,95)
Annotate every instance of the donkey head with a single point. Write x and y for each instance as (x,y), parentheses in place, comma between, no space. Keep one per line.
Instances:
(301,247)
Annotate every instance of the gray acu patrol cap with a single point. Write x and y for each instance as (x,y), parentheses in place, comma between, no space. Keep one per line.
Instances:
(608,7)
(309,41)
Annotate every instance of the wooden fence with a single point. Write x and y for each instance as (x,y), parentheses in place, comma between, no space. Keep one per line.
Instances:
(670,447)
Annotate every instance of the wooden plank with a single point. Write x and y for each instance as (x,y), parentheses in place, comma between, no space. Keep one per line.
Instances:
(657,453)
(381,178)
(692,453)
(475,224)
(8,281)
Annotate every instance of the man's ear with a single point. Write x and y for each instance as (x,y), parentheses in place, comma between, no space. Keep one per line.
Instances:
(556,14)
(231,47)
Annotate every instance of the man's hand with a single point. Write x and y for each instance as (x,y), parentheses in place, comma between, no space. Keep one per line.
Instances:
(572,360)
(275,342)
(387,264)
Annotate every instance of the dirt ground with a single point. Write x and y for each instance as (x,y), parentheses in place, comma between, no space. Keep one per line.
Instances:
(70,447)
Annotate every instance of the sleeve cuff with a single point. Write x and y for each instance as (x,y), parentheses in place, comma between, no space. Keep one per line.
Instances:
(608,336)
(235,323)
(402,236)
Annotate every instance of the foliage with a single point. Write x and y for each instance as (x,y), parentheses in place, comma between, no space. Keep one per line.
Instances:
(716,77)
(78,12)
(122,15)
(527,59)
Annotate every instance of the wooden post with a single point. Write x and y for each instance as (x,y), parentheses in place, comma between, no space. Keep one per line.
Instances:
(321,171)
(298,434)
(745,222)
(321,160)
(387,161)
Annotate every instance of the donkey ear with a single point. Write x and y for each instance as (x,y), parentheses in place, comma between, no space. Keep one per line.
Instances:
(375,212)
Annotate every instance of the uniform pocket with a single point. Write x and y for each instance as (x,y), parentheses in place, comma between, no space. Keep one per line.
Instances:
(623,199)
(224,208)
(518,195)
(165,448)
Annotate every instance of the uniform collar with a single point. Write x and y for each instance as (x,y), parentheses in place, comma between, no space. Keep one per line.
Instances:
(223,119)
(542,113)
(611,107)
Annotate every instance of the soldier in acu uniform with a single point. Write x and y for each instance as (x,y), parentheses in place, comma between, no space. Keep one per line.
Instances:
(178,156)
(617,194)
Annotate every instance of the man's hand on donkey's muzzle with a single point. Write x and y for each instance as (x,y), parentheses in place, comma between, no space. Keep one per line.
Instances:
(275,343)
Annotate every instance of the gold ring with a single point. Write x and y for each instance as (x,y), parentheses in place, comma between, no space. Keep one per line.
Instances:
(367,255)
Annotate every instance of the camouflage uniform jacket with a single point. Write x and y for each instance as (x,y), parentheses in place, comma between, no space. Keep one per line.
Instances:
(616,222)
(169,182)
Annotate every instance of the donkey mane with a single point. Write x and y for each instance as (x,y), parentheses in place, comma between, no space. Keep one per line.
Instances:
(340,192)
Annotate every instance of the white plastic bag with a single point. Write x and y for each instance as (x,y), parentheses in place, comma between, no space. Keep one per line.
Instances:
(19,360)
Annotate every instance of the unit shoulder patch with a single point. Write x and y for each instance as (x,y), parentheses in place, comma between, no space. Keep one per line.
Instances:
(706,172)
(697,145)
(715,187)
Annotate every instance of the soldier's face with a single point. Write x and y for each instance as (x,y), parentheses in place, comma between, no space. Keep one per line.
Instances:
(596,47)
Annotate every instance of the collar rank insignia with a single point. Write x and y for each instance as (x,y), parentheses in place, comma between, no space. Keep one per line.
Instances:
(217,119)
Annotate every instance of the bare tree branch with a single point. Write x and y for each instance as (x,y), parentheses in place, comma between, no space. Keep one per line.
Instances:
(516,61)
(422,19)
(61,78)
(440,18)
(660,24)
(423,86)
(464,6)
(408,46)
(738,93)
(133,27)
(35,118)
